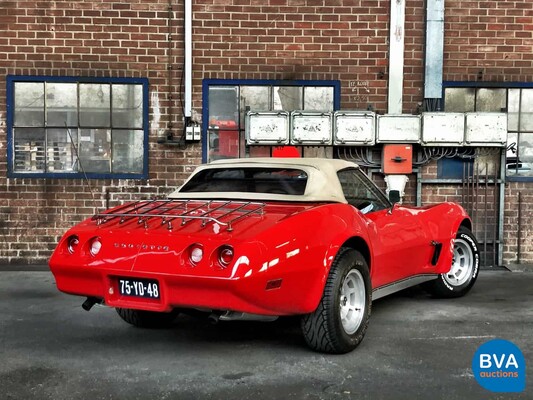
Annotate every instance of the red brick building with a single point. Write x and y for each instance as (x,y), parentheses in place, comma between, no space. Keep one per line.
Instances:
(93,100)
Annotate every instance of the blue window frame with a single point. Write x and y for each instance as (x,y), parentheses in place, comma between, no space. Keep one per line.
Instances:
(225,102)
(515,98)
(72,127)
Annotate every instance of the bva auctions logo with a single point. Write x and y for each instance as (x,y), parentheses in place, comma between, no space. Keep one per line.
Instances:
(500,366)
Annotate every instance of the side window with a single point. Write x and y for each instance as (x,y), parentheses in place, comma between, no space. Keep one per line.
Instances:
(361,192)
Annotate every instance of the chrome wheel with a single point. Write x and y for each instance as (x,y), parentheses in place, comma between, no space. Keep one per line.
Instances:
(352,301)
(462,264)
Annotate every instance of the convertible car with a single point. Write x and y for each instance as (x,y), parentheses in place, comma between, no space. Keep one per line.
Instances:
(259,238)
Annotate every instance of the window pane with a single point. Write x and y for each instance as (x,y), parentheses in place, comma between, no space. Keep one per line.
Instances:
(257,98)
(95,105)
(459,100)
(29,104)
(223,143)
(526,112)
(128,151)
(288,98)
(523,165)
(127,106)
(28,144)
(223,104)
(60,153)
(513,106)
(61,104)
(491,100)
(95,150)
(318,98)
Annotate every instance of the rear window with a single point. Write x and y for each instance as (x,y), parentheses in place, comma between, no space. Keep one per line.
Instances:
(248,180)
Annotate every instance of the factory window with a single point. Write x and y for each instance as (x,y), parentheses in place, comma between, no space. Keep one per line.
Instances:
(226,103)
(517,101)
(76,127)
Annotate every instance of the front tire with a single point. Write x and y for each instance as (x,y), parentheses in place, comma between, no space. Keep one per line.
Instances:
(147,319)
(339,323)
(464,270)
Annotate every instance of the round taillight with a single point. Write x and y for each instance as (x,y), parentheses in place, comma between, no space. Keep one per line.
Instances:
(95,246)
(196,253)
(72,242)
(225,256)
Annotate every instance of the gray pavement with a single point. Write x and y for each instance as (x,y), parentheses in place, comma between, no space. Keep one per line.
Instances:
(416,347)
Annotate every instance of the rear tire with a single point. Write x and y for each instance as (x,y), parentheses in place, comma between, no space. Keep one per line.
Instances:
(464,270)
(147,319)
(339,323)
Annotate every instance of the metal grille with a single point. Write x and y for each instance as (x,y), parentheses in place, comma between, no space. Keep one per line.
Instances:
(480,196)
(178,213)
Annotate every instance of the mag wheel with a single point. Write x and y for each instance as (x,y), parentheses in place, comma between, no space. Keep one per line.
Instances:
(463,271)
(339,323)
(147,319)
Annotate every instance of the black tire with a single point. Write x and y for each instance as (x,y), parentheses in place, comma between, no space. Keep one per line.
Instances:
(324,329)
(147,319)
(463,271)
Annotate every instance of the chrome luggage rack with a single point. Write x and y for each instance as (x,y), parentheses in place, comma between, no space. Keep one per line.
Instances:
(227,212)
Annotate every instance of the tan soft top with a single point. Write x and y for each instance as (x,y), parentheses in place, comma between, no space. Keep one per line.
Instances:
(322,182)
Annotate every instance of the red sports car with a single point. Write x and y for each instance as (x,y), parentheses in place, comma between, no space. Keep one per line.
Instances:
(260,238)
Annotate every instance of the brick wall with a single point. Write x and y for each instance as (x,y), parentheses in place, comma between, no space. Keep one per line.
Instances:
(492,41)
(245,39)
(488,40)
(308,39)
(88,38)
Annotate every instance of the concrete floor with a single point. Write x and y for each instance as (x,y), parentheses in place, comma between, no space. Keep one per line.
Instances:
(416,348)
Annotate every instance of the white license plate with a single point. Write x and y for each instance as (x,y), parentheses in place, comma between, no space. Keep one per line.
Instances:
(148,288)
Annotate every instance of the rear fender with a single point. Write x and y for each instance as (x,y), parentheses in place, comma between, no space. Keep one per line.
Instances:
(352,234)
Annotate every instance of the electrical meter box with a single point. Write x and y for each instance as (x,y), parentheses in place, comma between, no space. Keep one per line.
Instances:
(267,128)
(398,128)
(354,128)
(443,129)
(486,129)
(397,159)
(311,128)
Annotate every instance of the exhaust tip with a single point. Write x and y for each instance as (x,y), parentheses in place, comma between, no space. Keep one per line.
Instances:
(90,302)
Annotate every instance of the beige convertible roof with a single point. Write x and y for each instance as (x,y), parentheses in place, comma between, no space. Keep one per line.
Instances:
(322,182)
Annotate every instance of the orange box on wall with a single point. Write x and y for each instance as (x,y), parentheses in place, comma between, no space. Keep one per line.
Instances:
(397,158)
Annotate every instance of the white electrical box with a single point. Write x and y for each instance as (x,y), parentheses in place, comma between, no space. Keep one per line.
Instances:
(443,129)
(193,133)
(267,128)
(354,128)
(398,128)
(486,129)
(311,128)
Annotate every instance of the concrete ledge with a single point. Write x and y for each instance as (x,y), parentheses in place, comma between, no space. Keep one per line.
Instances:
(520,267)
(24,267)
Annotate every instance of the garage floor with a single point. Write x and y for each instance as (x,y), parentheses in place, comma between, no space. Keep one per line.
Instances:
(416,348)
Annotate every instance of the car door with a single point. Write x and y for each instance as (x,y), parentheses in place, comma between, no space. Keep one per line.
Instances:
(399,243)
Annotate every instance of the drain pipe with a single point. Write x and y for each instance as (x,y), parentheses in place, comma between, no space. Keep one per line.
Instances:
(434,54)
(395,182)
(187,112)
(396,56)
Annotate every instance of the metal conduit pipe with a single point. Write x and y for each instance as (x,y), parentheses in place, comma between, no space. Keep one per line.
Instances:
(187,112)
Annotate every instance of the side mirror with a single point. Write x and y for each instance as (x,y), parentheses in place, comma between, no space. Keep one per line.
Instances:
(394,196)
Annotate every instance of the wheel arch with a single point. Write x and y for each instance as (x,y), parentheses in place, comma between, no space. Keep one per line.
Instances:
(359,244)
(467,223)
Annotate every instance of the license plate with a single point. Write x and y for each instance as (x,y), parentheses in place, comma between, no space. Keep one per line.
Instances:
(148,288)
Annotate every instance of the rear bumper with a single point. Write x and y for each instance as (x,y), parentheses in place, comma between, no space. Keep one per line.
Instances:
(250,294)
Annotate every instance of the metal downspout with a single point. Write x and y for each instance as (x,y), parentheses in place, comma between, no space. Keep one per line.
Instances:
(396,56)
(187,112)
